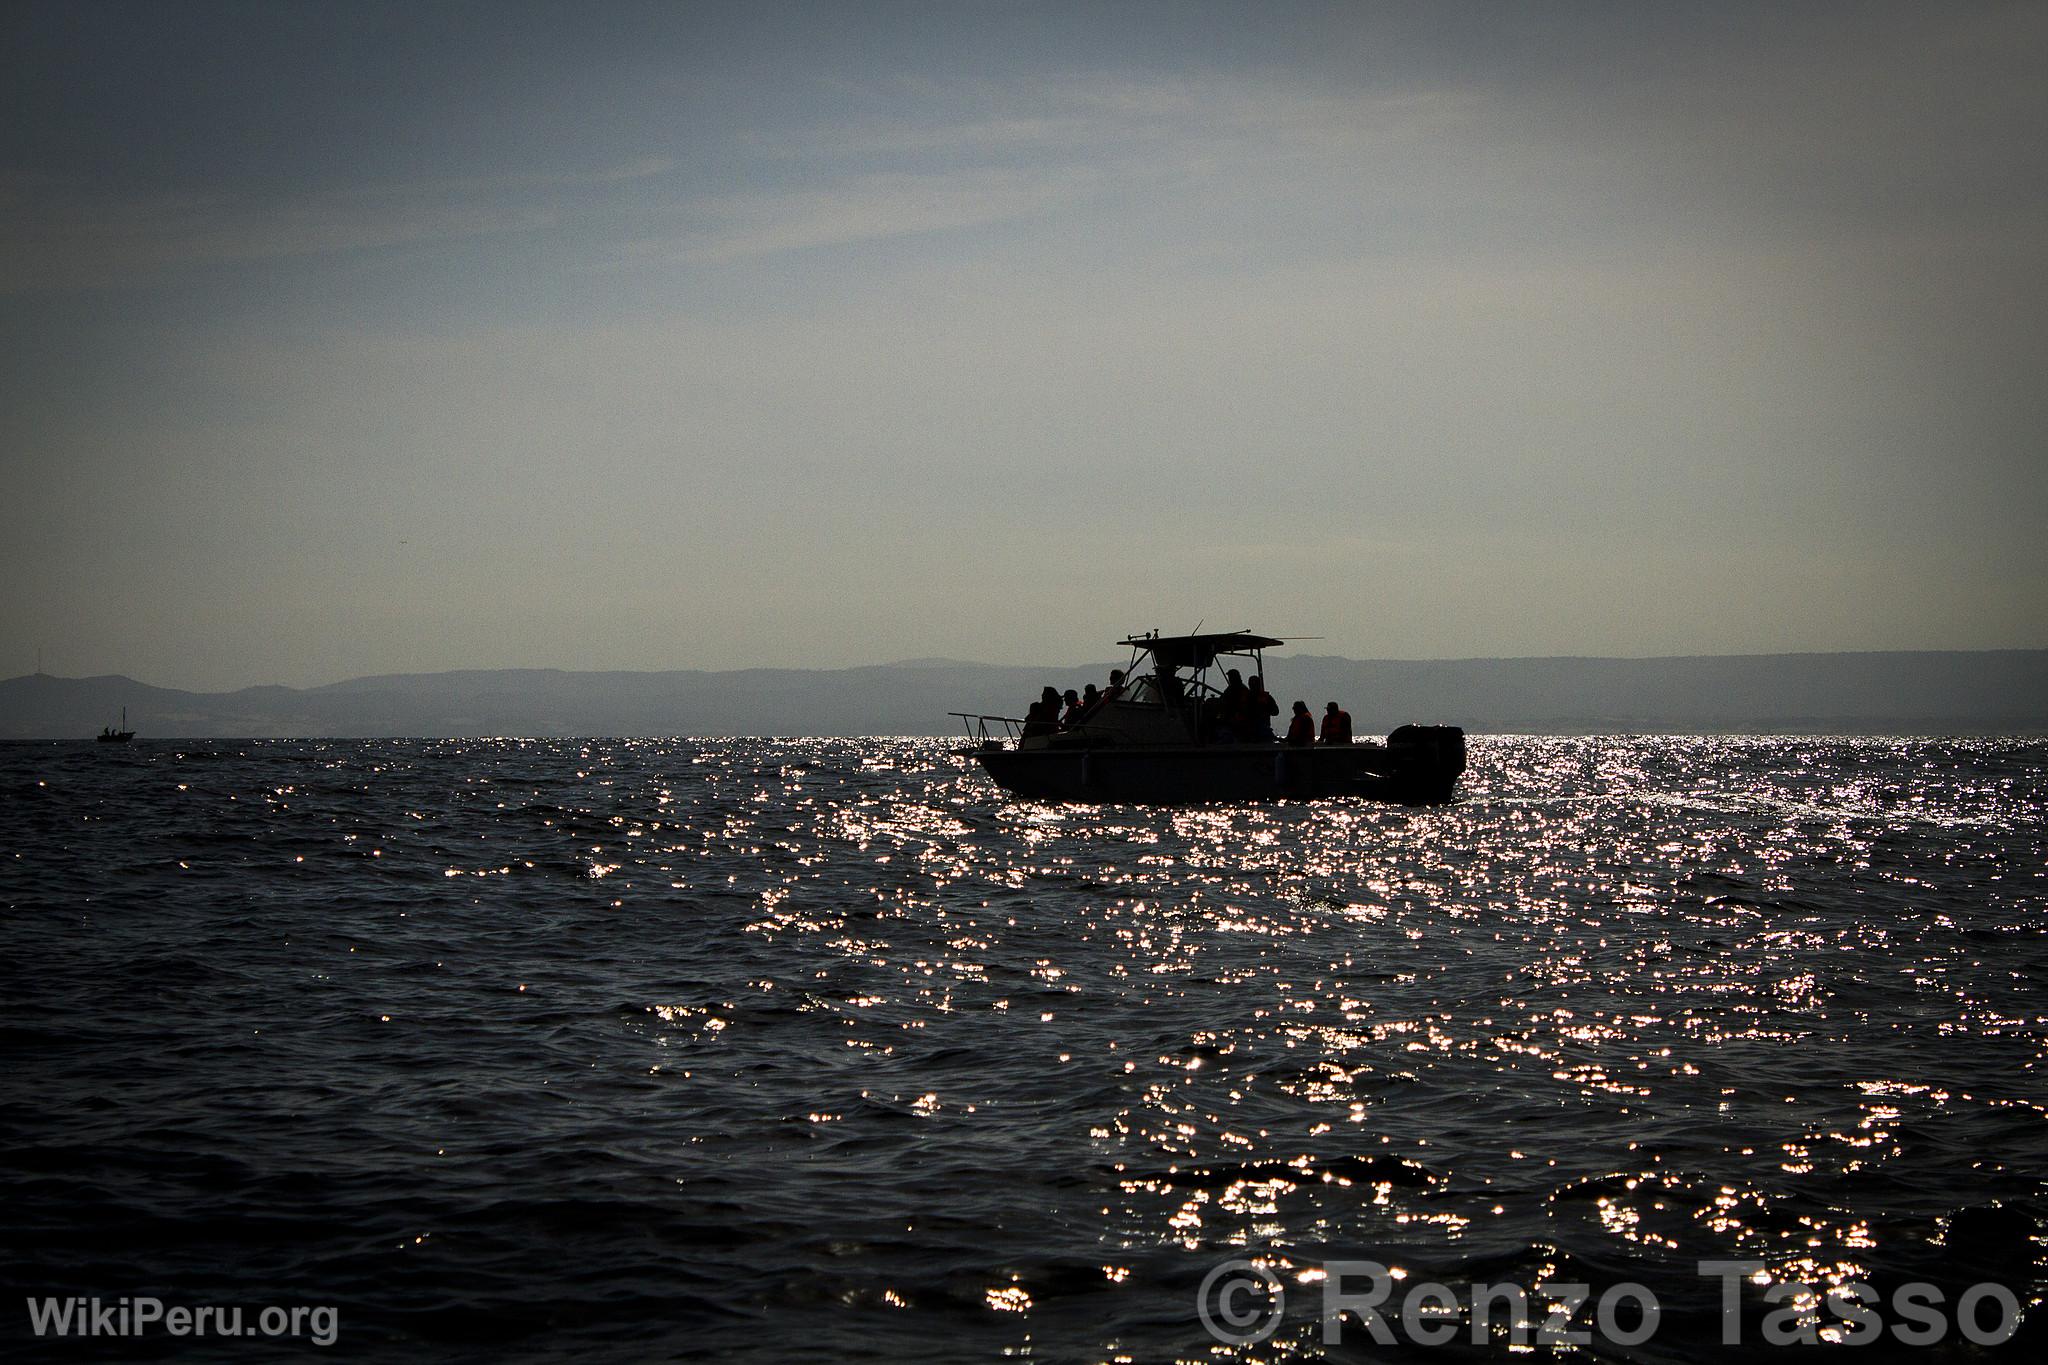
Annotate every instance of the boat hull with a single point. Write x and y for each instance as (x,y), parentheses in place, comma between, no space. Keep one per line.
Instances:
(1413,773)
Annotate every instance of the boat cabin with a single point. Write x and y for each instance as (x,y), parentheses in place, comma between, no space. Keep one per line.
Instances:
(1168,682)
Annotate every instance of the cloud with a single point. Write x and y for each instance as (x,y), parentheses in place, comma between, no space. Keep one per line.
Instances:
(860,208)
(1031,151)
(1125,121)
(57,234)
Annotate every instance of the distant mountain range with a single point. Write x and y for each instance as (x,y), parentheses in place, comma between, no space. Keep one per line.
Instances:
(2001,691)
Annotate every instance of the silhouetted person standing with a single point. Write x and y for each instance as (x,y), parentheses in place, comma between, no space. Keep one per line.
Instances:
(1230,709)
(1259,710)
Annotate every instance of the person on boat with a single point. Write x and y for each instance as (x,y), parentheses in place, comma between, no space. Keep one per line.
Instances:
(1074,711)
(1336,724)
(1227,712)
(1301,730)
(1044,716)
(1259,710)
(1115,690)
(1091,701)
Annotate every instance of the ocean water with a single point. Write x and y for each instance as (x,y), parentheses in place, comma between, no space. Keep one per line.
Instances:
(825,1049)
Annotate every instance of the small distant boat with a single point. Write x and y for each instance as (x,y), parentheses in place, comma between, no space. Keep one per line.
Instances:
(109,735)
(1158,741)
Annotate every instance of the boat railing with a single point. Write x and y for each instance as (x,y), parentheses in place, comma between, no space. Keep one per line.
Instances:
(978,733)
(981,736)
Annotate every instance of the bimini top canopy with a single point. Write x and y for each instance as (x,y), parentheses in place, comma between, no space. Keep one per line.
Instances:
(1198,651)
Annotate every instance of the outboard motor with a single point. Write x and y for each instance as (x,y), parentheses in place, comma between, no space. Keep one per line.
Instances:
(1427,762)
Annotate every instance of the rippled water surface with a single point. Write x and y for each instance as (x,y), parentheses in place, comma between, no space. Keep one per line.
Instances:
(826,1049)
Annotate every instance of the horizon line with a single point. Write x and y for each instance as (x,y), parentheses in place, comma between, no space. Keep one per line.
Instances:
(937,662)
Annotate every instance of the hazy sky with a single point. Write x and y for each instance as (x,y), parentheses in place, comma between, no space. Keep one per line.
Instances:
(341,339)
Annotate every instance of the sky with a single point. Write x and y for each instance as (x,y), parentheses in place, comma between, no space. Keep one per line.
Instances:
(355,339)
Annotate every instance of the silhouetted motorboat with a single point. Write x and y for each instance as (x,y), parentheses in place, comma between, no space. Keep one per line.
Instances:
(1157,742)
(109,735)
